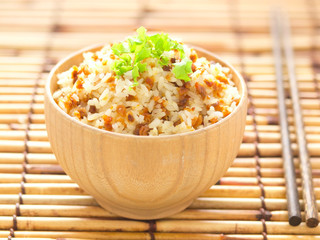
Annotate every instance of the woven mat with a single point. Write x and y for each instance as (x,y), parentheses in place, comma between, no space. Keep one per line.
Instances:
(37,200)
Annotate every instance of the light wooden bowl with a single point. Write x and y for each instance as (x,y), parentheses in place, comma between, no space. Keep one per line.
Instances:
(143,177)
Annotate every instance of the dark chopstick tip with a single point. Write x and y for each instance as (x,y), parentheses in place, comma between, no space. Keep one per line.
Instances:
(312,222)
(294,220)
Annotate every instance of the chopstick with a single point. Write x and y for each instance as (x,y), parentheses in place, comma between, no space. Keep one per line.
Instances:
(310,205)
(294,212)
(282,37)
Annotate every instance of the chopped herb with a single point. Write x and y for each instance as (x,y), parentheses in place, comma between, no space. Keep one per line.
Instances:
(135,72)
(135,49)
(164,61)
(141,53)
(119,48)
(182,69)
(142,67)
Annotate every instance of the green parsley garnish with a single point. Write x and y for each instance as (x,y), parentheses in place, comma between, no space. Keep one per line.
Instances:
(135,49)
(182,69)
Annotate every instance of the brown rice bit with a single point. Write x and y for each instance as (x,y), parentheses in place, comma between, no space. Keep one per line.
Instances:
(237,100)
(77,114)
(94,56)
(208,83)
(177,54)
(197,121)
(167,112)
(187,85)
(142,130)
(201,90)
(218,88)
(112,87)
(79,83)
(108,126)
(107,122)
(182,91)
(168,76)
(166,68)
(183,97)
(176,84)
(84,69)
(137,129)
(107,119)
(83,112)
(131,98)
(218,105)
(193,56)
(121,110)
(85,97)
(222,79)
(110,79)
(149,81)
(156,98)
(172,60)
(145,113)
(70,102)
(74,69)
(183,102)
(92,109)
(130,117)
(225,112)
(74,73)
(213,120)
(152,64)
(176,123)
(163,103)
(96,71)
(201,69)
(74,102)
(122,121)
(193,68)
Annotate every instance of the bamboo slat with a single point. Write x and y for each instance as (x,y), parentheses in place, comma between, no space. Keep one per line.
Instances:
(214,191)
(37,158)
(31,168)
(98,212)
(34,178)
(272,204)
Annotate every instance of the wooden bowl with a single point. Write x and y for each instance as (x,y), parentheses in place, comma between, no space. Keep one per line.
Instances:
(143,177)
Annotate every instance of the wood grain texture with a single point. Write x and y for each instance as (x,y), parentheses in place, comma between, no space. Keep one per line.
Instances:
(143,177)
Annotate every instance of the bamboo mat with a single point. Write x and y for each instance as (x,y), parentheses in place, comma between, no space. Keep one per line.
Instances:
(37,200)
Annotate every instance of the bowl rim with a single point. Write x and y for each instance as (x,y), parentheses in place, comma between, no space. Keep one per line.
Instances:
(49,97)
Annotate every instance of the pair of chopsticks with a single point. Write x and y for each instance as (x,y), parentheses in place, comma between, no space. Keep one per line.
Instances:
(281,36)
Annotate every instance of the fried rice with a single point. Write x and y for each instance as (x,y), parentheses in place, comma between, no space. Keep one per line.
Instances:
(159,104)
